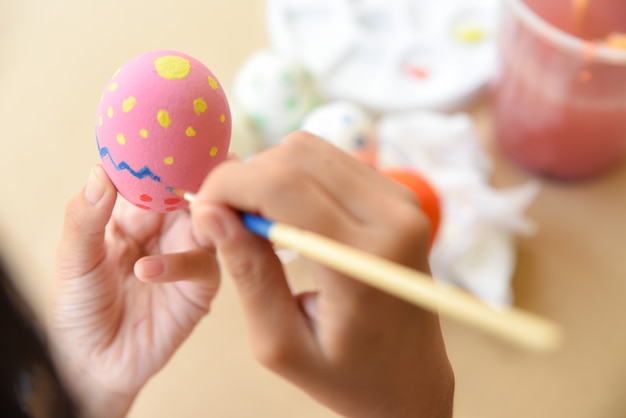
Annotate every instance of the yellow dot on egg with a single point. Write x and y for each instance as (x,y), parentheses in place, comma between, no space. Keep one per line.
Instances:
(164,118)
(222,118)
(143,133)
(172,67)
(129,104)
(199,106)
(110,112)
(213,83)
(121,139)
(169,160)
(113,86)
(190,132)
(100,121)
(213,151)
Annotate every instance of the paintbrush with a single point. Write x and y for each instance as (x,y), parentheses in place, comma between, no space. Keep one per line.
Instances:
(516,326)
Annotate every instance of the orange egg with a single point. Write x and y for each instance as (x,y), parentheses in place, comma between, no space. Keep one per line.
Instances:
(423,190)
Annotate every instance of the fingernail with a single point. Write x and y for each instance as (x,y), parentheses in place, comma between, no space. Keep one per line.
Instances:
(217,226)
(151,268)
(95,187)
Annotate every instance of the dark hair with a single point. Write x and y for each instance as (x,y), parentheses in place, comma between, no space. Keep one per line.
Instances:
(28,379)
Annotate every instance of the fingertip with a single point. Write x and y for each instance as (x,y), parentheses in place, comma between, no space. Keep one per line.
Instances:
(149,269)
(220,226)
(244,254)
(233,156)
(197,265)
(214,224)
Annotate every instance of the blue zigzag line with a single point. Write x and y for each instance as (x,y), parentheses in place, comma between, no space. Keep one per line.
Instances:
(123,165)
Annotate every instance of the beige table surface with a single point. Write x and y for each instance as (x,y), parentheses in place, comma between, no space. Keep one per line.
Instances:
(56,55)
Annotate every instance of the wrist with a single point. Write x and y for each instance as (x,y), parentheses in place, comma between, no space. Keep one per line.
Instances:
(92,401)
(90,397)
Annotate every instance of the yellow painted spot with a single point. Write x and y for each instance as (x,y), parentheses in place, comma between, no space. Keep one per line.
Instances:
(120,139)
(113,86)
(190,132)
(129,104)
(213,152)
(199,106)
(110,112)
(164,118)
(222,118)
(213,83)
(100,121)
(143,133)
(169,160)
(172,67)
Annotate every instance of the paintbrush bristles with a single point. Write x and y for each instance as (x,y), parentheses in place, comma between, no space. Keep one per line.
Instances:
(188,196)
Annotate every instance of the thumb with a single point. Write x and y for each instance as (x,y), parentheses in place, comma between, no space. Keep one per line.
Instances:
(82,240)
(279,331)
(249,260)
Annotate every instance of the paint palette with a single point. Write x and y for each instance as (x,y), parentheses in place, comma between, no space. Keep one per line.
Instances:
(390,55)
(163,121)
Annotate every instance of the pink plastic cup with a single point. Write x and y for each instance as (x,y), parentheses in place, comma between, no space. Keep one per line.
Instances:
(560,95)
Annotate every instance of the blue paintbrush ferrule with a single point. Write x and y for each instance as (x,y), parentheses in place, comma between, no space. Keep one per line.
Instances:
(257,224)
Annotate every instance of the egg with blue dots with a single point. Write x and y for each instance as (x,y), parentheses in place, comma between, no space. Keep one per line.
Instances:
(347,126)
(163,122)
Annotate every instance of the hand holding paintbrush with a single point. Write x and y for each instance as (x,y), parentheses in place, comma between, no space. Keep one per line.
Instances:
(351,346)
(367,240)
(396,279)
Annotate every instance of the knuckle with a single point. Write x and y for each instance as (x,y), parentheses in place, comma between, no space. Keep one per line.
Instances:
(298,139)
(245,271)
(407,237)
(283,178)
(415,231)
(249,273)
(73,219)
(273,352)
(404,193)
(223,173)
(412,223)
(409,196)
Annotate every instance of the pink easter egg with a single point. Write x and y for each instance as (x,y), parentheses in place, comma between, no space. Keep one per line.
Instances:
(163,121)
